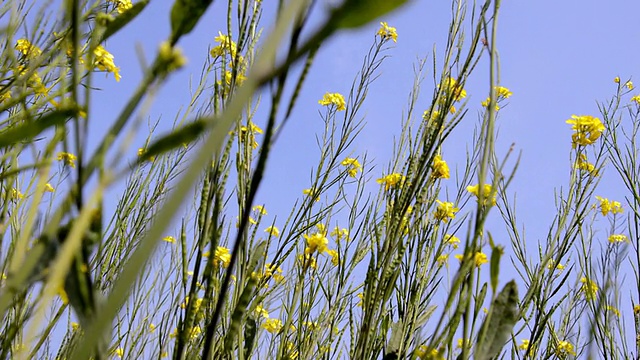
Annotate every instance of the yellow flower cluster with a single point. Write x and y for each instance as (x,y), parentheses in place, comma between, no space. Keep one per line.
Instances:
(272,325)
(316,243)
(617,238)
(589,287)
(248,133)
(104,61)
(353,166)
(486,192)
(273,231)
(311,192)
(609,206)
(587,129)
(68,159)
(479,258)
(225,46)
(445,211)
(387,32)
(565,348)
(333,99)
(122,5)
(583,164)
(440,168)
(27,49)
(221,256)
(425,353)
(391,181)
(501,93)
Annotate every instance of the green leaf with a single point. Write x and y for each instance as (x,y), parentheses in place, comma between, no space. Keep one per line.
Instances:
(498,325)
(250,331)
(185,14)
(30,129)
(496,254)
(355,13)
(179,137)
(123,19)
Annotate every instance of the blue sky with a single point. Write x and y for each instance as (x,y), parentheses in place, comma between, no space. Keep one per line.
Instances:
(558,57)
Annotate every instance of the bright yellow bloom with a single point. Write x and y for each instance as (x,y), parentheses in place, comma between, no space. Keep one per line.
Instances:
(503,92)
(524,345)
(340,234)
(259,209)
(613,309)
(589,287)
(440,168)
(68,159)
(322,229)
(479,258)
(451,240)
(333,99)
(122,5)
(391,181)
(104,61)
(565,348)
(48,188)
(617,238)
(311,192)
(262,312)
(486,104)
(5,96)
(16,194)
(445,211)
(360,299)
(222,256)
(442,259)
(616,80)
(629,85)
(152,328)
(316,242)
(452,87)
(425,353)
(587,129)
(119,352)
(486,191)
(170,239)
(27,49)
(387,32)
(226,46)
(272,325)
(353,166)
(273,231)
(636,99)
(274,272)
(607,206)
(583,164)
(550,266)
(335,257)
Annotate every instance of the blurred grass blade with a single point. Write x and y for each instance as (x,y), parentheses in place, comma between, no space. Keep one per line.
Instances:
(356,13)
(30,129)
(496,255)
(179,137)
(497,327)
(185,14)
(123,19)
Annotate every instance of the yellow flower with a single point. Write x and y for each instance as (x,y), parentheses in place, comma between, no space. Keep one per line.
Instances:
(340,234)
(587,129)
(273,231)
(335,257)
(589,287)
(636,99)
(425,353)
(152,327)
(273,271)
(272,325)
(361,299)
(169,239)
(122,5)
(486,104)
(262,312)
(550,266)
(524,345)
(614,310)
(316,242)
(453,88)
(104,61)
(479,258)
(583,164)
(307,260)
(171,58)
(16,194)
(440,168)
(391,181)
(68,159)
(311,193)
(503,92)
(27,49)
(607,206)
(259,209)
(387,32)
(353,166)
(75,326)
(442,259)
(333,99)
(616,80)
(48,188)
(226,46)
(486,191)
(119,352)
(250,132)
(617,238)
(451,240)
(5,96)
(222,256)
(564,348)
(445,211)
(629,85)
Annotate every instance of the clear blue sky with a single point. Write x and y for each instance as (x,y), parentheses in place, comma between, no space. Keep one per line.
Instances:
(558,58)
